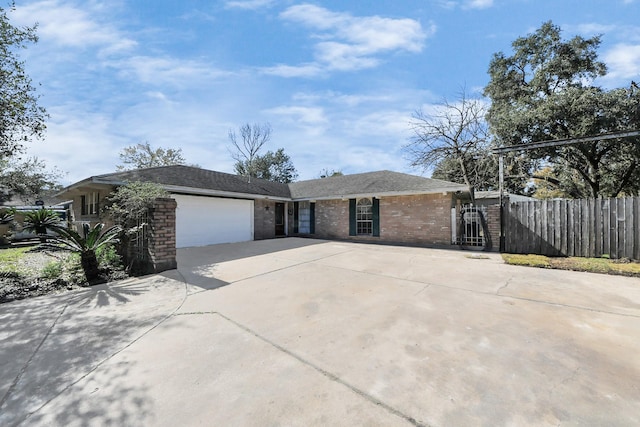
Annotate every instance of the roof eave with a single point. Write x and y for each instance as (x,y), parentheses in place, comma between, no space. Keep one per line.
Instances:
(176,189)
(83,183)
(461,189)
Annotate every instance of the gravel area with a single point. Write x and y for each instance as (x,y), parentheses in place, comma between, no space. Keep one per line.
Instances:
(25,278)
(35,261)
(27,282)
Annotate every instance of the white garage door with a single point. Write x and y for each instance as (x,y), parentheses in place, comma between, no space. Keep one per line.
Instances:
(202,221)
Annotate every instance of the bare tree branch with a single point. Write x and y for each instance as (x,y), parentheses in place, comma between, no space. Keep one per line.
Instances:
(246,149)
(452,131)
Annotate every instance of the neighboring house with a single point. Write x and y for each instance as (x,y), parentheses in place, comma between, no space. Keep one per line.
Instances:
(215,207)
(62,209)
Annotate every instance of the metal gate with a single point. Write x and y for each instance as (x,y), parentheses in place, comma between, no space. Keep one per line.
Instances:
(472,226)
(134,245)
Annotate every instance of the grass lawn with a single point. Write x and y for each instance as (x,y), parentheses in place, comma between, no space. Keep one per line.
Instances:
(592,265)
(10,258)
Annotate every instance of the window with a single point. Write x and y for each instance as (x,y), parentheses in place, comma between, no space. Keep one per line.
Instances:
(89,203)
(364,217)
(305,217)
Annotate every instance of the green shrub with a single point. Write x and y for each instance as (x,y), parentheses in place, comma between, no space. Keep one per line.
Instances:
(73,269)
(108,258)
(52,270)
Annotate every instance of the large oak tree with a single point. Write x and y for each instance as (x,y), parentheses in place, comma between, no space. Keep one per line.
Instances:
(144,156)
(545,90)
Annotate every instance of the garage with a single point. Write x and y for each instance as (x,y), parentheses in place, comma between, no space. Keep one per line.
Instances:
(202,221)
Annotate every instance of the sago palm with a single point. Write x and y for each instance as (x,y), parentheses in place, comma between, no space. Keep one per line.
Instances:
(39,221)
(87,246)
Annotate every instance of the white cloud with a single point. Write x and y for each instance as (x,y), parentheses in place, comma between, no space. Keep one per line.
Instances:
(248,4)
(623,61)
(308,120)
(365,158)
(590,28)
(479,4)
(349,100)
(306,115)
(348,42)
(78,142)
(465,4)
(157,95)
(68,26)
(388,124)
(159,71)
(304,70)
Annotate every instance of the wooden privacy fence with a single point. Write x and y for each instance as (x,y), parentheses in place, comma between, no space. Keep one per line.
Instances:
(586,228)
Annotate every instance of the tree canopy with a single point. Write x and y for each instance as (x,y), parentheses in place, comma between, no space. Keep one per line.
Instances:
(21,118)
(130,201)
(27,180)
(144,156)
(276,167)
(246,149)
(545,91)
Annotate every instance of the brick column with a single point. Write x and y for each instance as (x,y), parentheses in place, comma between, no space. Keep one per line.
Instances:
(493,226)
(162,235)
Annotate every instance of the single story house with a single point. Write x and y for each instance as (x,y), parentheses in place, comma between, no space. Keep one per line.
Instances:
(215,207)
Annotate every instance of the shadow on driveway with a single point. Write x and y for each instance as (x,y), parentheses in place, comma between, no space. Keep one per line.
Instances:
(48,344)
(197,265)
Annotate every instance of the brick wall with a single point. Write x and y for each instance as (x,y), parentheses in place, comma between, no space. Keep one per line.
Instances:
(264,219)
(162,235)
(420,219)
(332,219)
(493,227)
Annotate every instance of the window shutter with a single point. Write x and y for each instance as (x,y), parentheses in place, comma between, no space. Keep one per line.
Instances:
(296,218)
(375,213)
(312,219)
(97,204)
(352,217)
(83,205)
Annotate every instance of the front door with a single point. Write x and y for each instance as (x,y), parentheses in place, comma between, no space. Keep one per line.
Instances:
(279,219)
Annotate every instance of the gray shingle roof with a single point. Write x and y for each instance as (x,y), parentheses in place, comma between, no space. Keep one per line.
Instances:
(192,177)
(370,183)
(188,178)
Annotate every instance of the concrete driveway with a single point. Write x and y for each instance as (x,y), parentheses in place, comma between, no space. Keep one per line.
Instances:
(295,332)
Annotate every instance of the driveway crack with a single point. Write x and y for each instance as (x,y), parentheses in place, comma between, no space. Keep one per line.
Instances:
(506,284)
(327,374)
(422,290)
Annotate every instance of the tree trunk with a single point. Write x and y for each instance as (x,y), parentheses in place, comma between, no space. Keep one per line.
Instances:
(463,167)
(42,233)
(89,263)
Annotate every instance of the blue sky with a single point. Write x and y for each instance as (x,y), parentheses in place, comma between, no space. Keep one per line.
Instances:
(337,80)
